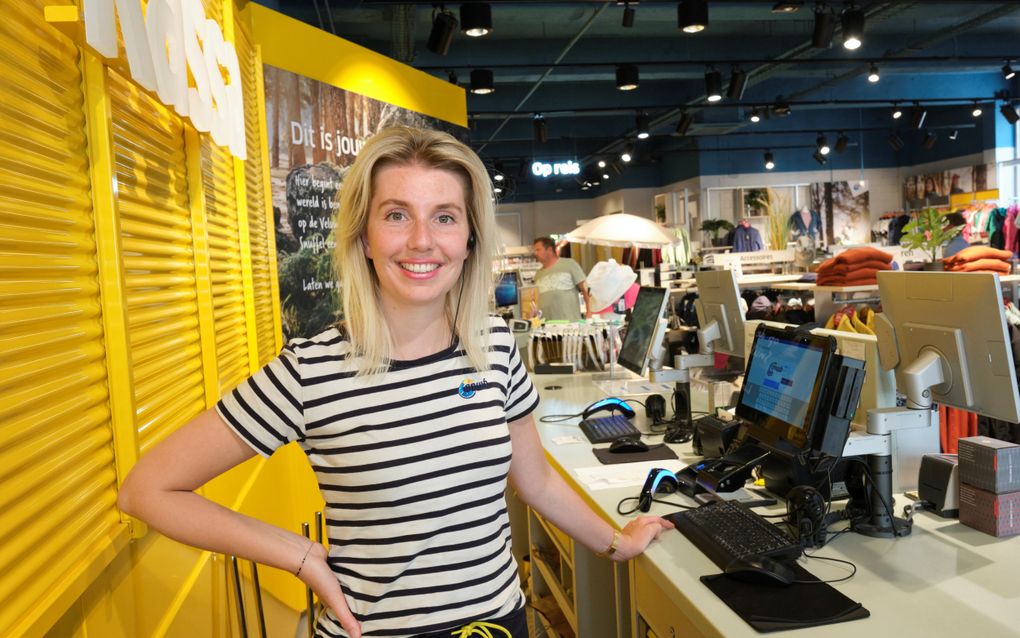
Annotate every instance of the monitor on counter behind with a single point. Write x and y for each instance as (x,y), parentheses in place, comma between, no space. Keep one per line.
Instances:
(719,312)
(945,335)
(645,329)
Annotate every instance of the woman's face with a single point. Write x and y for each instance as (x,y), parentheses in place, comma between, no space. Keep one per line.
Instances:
(417,235)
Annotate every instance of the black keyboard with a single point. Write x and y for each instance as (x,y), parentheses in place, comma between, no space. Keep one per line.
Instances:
(603,429)
(727,532)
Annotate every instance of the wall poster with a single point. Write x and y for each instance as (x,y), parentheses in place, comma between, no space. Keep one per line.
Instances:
(315,131)
(934,189)
(845,209)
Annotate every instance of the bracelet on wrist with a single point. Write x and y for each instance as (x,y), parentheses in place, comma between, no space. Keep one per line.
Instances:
(304,558)
(613,546)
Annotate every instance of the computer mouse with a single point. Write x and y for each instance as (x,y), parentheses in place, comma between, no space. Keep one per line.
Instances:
(761,570)
(611,404)
(627,445)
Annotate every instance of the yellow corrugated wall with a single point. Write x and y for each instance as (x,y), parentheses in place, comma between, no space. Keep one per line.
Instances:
(57,475)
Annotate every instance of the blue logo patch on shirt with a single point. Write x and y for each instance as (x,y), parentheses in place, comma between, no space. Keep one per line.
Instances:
(468,387)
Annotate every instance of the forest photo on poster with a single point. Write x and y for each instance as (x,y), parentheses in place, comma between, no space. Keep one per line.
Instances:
(315,131)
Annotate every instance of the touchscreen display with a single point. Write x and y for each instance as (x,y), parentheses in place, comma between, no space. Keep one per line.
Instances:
(780,378)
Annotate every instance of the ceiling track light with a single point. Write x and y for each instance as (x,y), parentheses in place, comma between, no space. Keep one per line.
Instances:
(641,122)
(770,162)
(929,140)
(692,15)
(1009,112)
(789,6)
(954,134)
(895,141)
(1007,71)
(917,115)
(738,82)
(873,75)
(482,82)
(628,15)
(825,27)
(538,125)
(443,27)
(626,77)
(819,157)
(628,153)
(755,115)
(684,123)
(897,112)
(977,111)
(451,77)
(852,23)
(713,85)
(841,143)
(781,108)
(822,144)
(476,18)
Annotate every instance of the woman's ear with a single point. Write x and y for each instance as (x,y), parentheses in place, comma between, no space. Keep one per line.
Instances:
(365,247)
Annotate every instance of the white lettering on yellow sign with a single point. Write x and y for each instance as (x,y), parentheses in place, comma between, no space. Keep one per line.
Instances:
(175,37)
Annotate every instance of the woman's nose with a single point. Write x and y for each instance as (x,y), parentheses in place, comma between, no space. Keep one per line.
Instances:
(421,236)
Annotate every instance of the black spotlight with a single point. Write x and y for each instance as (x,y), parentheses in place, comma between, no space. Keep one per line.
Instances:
(819,158)
(929,140)
(781,108)
(954,134)
(713,85)
(684,123)
(443,27)
(538,124)
(852,22)
(822,144)
(626,77)
(917,115)
(770,161)
(1009,112)
(825,27)
(451,76)
(628,15)
(738,81)
(1007,71)
(482,82)
(692,15)
(475,18)
(641,123)
(895,141)
(841,142)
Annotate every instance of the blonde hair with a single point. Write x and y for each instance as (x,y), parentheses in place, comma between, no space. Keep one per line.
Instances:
(467,303)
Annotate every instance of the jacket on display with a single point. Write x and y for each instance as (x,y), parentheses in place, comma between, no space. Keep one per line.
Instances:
(812,228)
(746,239)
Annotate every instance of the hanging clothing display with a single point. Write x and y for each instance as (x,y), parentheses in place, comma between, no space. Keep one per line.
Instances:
(805,222)
(746,238)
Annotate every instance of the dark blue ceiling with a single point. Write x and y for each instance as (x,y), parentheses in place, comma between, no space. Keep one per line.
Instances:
(559,60)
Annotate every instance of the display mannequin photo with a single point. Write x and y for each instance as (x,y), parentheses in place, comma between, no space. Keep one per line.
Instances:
(413,413)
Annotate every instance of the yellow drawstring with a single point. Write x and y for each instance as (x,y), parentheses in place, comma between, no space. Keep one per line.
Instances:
(479,629)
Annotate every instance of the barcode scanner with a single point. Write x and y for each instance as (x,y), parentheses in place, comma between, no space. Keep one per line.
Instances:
(659,480)
(612,404)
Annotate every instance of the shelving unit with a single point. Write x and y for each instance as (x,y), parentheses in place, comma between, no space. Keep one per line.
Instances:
(580,594)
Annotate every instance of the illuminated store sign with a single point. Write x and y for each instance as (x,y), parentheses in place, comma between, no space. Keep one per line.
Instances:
(544,169)
(172,40)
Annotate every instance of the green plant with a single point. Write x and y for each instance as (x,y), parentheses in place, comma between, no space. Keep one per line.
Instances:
(714,226)
(927,231)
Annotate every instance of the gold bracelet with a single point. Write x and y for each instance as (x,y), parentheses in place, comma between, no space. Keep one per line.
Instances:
(303,558)
(612,546)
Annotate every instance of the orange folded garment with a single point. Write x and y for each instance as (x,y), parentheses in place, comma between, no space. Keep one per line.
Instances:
(838,268)
(973,253)
(862,253)
(993,265)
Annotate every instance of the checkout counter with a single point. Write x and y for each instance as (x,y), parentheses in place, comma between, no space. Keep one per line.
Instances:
(944,579)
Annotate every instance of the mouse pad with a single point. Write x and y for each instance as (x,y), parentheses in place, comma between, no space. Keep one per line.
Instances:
(807,603)
(654,453)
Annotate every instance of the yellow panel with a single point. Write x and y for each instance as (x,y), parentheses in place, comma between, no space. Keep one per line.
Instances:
(299,48)
(57,476)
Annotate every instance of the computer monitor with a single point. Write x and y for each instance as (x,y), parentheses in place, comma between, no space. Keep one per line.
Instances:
(945,335)
(507,289)
(780,400)
(645,330)
(718,303)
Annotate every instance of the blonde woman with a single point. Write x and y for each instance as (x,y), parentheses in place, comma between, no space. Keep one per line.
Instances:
(413,415)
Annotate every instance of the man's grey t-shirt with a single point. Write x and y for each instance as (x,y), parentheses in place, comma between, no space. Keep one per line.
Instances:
(557,290)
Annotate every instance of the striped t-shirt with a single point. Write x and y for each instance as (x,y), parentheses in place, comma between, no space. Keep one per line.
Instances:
(412,464)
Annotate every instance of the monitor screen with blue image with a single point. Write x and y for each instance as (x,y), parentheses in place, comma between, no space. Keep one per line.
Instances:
(507,290)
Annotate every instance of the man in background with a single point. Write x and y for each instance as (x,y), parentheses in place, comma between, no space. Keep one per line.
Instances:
(558,283)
